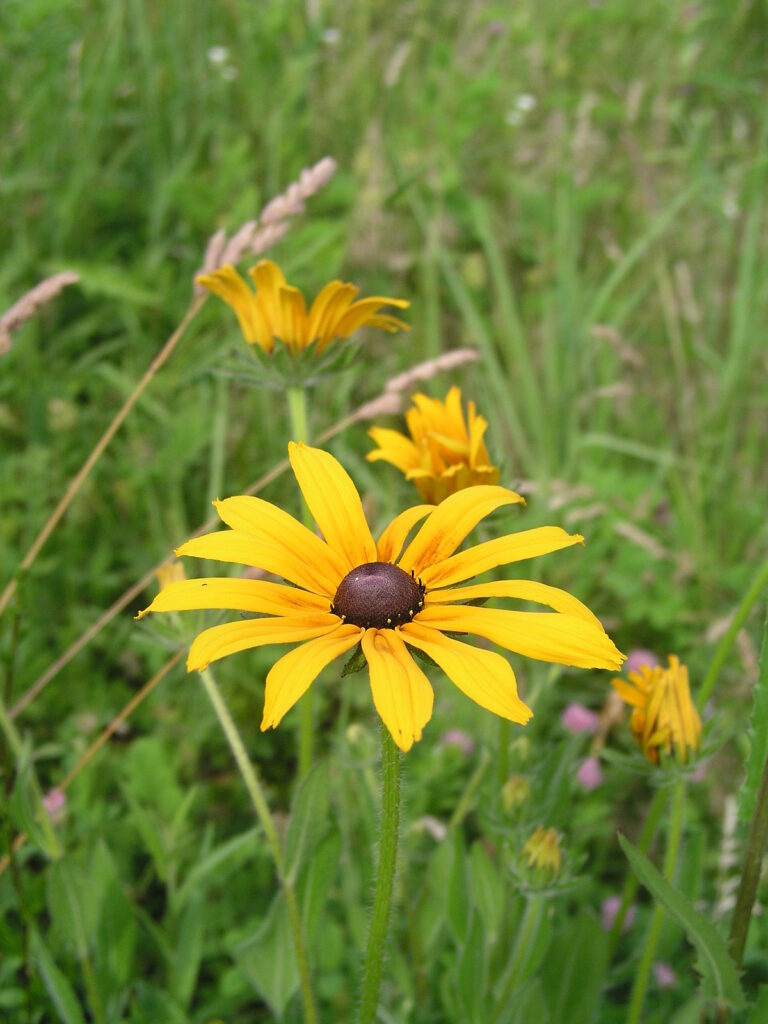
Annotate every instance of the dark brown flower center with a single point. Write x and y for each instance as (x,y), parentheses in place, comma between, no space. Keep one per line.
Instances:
(378,595)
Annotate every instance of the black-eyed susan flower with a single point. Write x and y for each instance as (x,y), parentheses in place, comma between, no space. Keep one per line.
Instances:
(663,715)
(445,453)
(276,311)
(346,588)
(543,851)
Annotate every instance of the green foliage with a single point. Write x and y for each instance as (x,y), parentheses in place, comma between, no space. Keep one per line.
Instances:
(575,190)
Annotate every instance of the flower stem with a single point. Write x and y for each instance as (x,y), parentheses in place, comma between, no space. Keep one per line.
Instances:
(750,873)
(256,793)
(724,647)
(297,408)
(640,985)
(385,876)
(502,765)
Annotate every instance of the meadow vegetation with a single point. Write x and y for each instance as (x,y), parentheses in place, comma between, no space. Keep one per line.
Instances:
(576,191)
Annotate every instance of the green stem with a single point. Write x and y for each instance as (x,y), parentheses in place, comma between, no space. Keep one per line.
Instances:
(256,793)
(631,883)
(464,803)
(297,408)
(385,876)
(654,931)
(502,765)
(724,647)
(750,873)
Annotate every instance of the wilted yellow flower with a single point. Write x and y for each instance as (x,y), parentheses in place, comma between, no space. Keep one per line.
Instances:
(350,589)
(277,310)
(663,715)
(543,850)
(444,454)
(515,791)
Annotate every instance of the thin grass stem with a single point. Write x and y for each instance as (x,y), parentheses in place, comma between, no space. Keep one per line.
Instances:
(259,801)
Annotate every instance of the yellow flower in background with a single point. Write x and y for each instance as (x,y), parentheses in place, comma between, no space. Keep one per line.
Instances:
(348,588)
(543,851)
(277,310)
(169,572)
(445,453)
(663,715)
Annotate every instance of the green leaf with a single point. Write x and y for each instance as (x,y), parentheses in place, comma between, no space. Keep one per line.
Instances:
(472,974)
(72,905)
(56,985)
(188,952)
(116,928)
(758,737)
(268,959)
(574,970)
(316,881)
(355,662)
(759,1012)
(487,890)
(719,977)
(459,894)
(309,819)
(217,864)
(25,807)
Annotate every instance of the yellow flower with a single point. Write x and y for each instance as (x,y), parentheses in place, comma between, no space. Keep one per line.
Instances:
(663,713)
(543,850)
(515,791)
(277,310)
(349,588)
(443,454)
(169,572)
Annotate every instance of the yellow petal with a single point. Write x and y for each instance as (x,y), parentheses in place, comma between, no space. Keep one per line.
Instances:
(545,636)
(450,523)
(628,693)
(394,448)
(229,286)
(401,692)
(292,675)
(236,595)
(334,502)
(231,637)
(263,553)
(264,520)
(485,677)
(294,318)
(513,548)
(521,590)
(269,278)
(319,306)
(362,312)
(390,543)
(335,308)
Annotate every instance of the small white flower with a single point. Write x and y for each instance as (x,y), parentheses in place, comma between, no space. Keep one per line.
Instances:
(331,36)
(218,55)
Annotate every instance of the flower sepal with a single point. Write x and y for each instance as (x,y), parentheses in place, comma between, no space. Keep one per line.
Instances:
(281,369)
(355,662)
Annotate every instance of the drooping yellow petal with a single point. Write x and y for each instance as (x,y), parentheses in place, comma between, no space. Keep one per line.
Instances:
(629,694)
(521,590)
(258,596)
(292,675)
(335,308)
(401,692)
(263,519)
(334,502)
(262,553)
(390,543)
(450,523)
(231,637)
(319,306)
(545,636)
(515,547)
(484,676)
(364,311)
(229,286)
(394,448)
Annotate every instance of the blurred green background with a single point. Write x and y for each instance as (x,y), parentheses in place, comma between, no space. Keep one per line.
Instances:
(575,189)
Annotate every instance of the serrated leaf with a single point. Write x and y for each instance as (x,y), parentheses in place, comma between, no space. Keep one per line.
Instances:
(758,737)
(56,985)
(719,977)
(309,819)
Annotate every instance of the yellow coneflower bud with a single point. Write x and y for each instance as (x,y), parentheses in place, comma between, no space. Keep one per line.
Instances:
(170,572)
(663,715)
(515,791)
(543,851)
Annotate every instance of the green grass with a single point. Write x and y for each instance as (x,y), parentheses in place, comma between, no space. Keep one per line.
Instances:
(576,190)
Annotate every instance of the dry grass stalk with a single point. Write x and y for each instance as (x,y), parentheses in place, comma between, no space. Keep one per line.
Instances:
(388,403)
(256,236)
(30,303)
